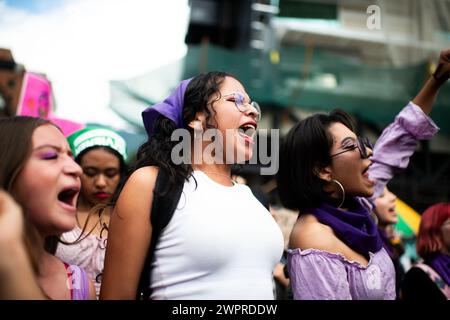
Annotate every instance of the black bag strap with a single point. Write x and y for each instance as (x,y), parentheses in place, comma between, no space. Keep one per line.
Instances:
(163,207)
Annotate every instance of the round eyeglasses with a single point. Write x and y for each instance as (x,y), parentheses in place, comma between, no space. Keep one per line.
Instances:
(362,143)
(239,101)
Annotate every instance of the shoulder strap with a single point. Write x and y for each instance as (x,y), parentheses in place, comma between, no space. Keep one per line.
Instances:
(164,203)
(436,278)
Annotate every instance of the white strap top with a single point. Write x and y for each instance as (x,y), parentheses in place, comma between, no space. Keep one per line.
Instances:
(221,243)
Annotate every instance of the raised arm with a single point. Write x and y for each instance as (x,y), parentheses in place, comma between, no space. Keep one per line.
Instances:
(427,95)
(129,236)
(399,140)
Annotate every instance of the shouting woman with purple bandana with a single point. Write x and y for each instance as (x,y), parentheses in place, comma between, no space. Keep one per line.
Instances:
(332,176)
(220,243)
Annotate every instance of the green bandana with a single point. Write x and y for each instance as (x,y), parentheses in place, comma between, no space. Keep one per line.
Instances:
(97,137)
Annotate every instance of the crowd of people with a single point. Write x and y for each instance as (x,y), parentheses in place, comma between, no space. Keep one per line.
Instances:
(79,221)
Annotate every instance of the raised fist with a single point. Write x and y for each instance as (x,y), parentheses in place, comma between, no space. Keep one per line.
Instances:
(442,73)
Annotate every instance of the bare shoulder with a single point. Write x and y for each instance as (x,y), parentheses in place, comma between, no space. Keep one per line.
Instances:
(129,236)
(141,181)
(143,177)
(137,194)
(309,233)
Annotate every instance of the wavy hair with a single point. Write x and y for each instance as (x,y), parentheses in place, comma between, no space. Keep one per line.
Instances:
(156,151)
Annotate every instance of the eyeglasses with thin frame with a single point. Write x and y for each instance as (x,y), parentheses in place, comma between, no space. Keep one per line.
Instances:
(362,143)
(239,101)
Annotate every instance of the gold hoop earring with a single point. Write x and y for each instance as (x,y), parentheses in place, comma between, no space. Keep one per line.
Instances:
(342,189)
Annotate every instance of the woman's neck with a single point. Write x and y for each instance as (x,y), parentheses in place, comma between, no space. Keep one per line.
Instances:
(52,277)
(84,205)
(43,257)
(220,173)
(46,261)
(93,221)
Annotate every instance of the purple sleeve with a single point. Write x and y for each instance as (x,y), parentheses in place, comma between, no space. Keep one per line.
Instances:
(314,276)
(397,143)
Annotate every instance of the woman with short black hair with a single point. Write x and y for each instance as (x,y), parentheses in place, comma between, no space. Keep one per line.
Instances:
(329,175)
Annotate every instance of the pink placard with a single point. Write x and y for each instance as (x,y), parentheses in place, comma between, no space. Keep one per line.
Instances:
(36,100)
(67,126)
(36,96)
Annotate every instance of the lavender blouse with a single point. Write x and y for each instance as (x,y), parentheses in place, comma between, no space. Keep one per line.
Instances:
(322,275)
(79,282)
(318,274)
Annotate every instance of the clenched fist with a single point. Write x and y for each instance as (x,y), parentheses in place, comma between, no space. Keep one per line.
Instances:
(442,73)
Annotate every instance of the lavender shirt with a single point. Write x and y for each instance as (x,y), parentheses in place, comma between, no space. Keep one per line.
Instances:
(321,275)
(397,143)
(318,274)
(79,284)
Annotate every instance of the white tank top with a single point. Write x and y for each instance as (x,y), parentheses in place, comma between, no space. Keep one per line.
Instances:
(221,243)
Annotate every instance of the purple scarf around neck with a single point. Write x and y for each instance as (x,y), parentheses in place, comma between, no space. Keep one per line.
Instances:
(386,243)
(355,228)
(441,264)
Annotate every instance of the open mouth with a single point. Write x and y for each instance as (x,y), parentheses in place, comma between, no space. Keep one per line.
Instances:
(247,131)
(392,210)
(365,174)
(69,197)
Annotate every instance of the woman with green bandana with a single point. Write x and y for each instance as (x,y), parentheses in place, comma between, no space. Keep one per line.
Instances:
(101,153)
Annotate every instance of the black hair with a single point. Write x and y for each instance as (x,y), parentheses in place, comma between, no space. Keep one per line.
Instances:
(303,153)
(98,209)
(156,151)
(122,164)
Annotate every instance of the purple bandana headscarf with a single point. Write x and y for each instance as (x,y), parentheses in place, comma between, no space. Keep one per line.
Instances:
(171,108)
(355,228)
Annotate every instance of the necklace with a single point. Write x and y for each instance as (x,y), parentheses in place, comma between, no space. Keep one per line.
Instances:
(220,174)
(99,225)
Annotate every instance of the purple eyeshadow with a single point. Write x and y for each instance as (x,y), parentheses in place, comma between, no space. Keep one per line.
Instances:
(48,155)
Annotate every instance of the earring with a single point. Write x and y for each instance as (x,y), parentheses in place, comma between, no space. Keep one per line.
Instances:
(342,189)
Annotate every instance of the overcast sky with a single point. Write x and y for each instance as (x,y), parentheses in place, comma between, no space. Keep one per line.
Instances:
(82,44)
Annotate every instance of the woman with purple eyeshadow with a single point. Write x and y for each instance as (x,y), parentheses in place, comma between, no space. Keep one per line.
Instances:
(38,170)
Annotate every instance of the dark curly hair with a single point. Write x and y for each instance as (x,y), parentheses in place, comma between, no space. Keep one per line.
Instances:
(156,151)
